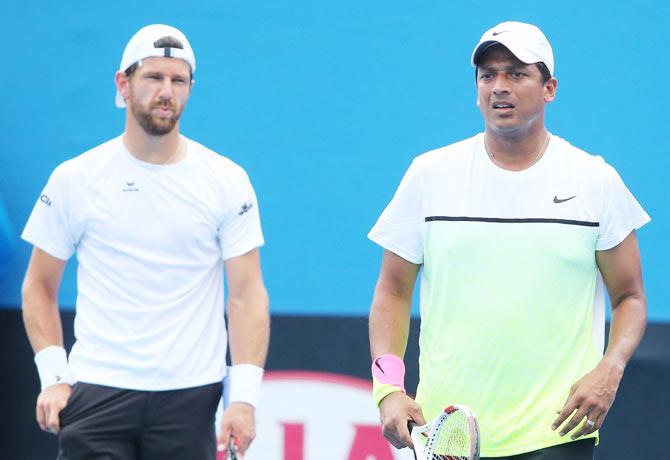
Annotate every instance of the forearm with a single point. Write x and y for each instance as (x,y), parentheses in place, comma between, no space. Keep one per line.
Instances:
(593,394)
(249,326)
(391,304)
(389,330)
(389,324)
(627,326)
(41,317)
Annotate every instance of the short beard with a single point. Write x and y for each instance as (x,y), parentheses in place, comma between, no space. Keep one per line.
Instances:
(151,124)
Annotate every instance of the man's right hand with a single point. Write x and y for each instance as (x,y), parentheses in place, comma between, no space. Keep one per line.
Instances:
(49,404)
(396,410)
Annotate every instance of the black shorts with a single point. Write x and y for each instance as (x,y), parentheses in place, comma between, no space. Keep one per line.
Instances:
(109,423)
(581,449)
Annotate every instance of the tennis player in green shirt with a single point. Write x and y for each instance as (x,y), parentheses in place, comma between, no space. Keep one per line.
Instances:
(516,234)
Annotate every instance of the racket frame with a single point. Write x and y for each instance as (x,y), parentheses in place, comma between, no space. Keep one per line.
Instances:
(431,429)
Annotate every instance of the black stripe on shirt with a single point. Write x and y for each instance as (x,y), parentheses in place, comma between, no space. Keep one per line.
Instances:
(499,220)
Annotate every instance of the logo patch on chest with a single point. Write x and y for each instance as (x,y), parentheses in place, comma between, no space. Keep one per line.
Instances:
(129,186)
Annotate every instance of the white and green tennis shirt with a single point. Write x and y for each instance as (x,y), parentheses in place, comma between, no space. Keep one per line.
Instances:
(512,303)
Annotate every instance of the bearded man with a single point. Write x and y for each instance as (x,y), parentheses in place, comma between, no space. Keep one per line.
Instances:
(153,218)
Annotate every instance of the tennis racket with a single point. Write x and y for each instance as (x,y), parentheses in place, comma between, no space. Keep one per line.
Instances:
(452,435)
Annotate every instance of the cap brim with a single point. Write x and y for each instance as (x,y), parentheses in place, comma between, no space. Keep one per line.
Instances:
(514,47)
(477,53)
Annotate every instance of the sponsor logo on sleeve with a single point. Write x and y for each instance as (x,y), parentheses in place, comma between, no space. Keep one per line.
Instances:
(245,208)
(46,200)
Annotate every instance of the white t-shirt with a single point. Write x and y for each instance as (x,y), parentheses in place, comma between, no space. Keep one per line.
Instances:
(150,242)
(512,304)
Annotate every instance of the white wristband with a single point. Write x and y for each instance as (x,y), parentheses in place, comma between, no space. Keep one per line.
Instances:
(52,367)
(245,383)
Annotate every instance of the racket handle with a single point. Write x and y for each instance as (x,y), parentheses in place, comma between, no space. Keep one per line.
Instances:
(411,424)
(233,449)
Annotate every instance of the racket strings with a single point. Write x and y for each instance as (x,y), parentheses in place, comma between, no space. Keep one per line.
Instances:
(454,440)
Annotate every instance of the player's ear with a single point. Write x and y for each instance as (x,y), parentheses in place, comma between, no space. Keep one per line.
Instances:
(122,82)
(550,89)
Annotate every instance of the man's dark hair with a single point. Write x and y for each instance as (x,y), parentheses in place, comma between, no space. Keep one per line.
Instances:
(544,70)
(164,42)
(131,70)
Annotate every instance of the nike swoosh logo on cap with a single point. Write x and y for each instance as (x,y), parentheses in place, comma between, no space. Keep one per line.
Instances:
(498,33)
(559,200)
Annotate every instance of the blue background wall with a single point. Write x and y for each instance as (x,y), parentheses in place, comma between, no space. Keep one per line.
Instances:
(325,104)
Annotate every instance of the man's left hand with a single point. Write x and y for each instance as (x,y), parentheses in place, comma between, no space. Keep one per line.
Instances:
(590,397)
(238,421)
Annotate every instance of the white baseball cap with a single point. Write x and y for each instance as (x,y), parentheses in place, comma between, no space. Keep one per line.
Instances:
(525,41)
(143,45)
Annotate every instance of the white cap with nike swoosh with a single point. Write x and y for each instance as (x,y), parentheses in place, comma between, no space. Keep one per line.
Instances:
(525,41)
